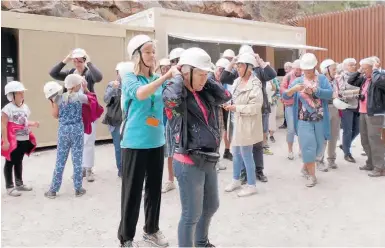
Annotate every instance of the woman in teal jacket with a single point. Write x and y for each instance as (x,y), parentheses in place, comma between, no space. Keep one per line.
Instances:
(311,93)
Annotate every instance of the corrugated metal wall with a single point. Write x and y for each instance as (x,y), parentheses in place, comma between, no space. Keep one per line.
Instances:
(357,33)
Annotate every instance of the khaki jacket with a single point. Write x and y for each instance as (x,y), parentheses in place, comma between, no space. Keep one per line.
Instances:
(248,115)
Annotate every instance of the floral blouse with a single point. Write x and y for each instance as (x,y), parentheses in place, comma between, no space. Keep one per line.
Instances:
(310,107)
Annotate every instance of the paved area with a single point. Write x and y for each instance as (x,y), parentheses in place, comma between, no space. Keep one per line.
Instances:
(347,208)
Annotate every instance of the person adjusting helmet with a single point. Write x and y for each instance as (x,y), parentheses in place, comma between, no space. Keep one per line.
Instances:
(245,49)
(79,53)
(164,62)
(11,88)
(249,60)
(175,55)
(52,89)
(308,61)
(196,58)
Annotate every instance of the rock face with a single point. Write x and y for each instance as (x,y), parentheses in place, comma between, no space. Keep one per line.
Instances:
(109,11)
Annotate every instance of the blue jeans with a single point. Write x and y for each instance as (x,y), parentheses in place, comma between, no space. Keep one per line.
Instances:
(116,140)
(289,115)
(265,122)
(312,138)
(198,189)
(243,157)
(351,128)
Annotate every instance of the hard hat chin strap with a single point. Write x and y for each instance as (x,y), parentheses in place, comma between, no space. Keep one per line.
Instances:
(191,77)
(329,73)
(247,67)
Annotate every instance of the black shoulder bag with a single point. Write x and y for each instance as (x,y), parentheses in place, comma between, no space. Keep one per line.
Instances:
(125,119)
(114,115)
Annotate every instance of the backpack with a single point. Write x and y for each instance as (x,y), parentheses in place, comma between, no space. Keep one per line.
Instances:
(114,115)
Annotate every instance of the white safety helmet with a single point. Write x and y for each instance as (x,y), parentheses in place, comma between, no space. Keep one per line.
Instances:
(196,57)
(12,87)
(325,64)
(376,59)
(296,64)
(228,53)
(340,104)
(308,61)
(222,63)
(176,53)
(118,65)
(125,68)
(73,80)
(245,49)
(164,62)
(78,53)
(247,58)
(51,89)
(340,68)
(349,60)
(136,43)
(367,61)
(288,64)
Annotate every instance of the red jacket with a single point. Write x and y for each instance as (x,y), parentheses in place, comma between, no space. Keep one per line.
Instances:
(91,112)
(11,132)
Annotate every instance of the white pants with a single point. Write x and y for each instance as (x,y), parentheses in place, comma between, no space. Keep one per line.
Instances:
(89,148)
(273,118)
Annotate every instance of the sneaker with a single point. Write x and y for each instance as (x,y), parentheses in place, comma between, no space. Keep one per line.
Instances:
(333,165)
(349,158)
(363,153)
(266,151)
(129,243)
(377,173)
(367,167)
(80,192)
(157,239)
(13,192)
(221,166)
(312,183)
(290,156)
(49,194)
(90,175)
(261,177)
(168,186)
(322,167)
(228,155)
(235,184)
(272,139)
(304,173)
(23,188)
(248,190)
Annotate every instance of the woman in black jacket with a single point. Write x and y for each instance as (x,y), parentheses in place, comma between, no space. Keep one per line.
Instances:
(190,100)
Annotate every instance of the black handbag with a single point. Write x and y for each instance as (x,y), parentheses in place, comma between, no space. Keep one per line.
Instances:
(113,116)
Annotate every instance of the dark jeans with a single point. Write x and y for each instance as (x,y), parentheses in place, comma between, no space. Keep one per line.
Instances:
(137,165)
(16,164)
(351,128)
(258,160)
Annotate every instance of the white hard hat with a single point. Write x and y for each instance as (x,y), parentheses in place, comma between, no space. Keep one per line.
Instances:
(222,63)
(175,53)
(296,64)
(72,80)
(52,88)
(367,61)
(376,59)
(245,49)
(196,57)
(349,60)
(164,62)
(247,58)
(78,53)
(125,68)
(308,61)
(288,64)
(325,64)
(11,87)
(136,43)
(228,53)
(339,104)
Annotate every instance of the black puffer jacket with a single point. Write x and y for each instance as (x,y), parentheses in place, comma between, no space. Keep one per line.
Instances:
(376,91)
(200,135)
(263,74)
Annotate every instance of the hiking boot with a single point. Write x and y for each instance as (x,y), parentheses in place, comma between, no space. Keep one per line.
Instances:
(333,165)
(168,186)
(322,167)
(80,192)
(23,188)
(290,156)
(261,177)
(312,181)
(247,191)
(90,175)
(157,239)
(13,192)
(272,139)
(349,158)
(228,155)
(377,172)
(266,151)
(367,167)
(235,184)
(50,194)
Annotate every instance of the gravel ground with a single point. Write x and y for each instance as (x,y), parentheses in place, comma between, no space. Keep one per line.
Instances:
(346,208)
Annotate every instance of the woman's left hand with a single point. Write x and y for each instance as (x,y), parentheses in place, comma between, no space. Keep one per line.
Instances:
(230,108)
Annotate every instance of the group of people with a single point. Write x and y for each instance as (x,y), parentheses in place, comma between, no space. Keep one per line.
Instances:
(181,108)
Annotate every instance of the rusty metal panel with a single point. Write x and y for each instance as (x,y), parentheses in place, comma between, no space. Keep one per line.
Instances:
(356,33)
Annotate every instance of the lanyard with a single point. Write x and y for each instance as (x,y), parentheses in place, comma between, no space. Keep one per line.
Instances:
(152,102)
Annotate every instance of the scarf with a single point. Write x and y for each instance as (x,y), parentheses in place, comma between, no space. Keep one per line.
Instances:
(308,100)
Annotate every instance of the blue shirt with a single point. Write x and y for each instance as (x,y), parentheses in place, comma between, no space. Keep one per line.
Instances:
(137,133)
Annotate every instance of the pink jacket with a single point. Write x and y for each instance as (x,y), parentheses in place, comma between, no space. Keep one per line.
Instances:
(91,112)
(287,80)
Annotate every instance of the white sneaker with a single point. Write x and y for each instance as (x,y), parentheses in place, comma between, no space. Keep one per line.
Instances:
(168,186)
(247,191)
(290,156)
(221,166)
(157,239)
(235,184)
(322,167)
